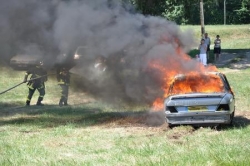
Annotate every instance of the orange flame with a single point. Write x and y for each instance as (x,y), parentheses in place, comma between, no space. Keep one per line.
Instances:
(193,83)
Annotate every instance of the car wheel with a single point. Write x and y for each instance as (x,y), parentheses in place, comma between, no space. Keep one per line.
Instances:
(170,125)
(231,119)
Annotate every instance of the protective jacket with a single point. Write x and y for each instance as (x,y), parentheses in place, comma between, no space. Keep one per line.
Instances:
(63,77)
(37,79)
(36,73)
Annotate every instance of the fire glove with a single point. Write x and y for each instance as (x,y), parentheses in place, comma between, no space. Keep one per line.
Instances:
(25,79)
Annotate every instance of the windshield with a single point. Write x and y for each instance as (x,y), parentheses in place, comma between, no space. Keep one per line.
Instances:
(205,83)
(81,50)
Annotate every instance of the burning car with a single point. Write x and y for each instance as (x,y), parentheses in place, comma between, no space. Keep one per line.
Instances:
(200,99)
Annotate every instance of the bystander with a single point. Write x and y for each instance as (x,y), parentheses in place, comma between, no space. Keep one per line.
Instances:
(203,49)
(217,48)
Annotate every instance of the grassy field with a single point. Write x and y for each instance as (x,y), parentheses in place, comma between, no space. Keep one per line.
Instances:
(90,132)
(232,36)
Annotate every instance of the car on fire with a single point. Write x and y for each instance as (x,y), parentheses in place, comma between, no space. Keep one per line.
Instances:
(200,99)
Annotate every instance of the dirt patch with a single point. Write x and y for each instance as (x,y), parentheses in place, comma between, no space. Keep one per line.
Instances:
(180,132)
(129,119)
(156,124)
(246,114)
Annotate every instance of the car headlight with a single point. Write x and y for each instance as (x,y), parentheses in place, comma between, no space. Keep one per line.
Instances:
(76,56)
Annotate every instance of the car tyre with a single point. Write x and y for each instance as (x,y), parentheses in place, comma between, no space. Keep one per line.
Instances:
(231,119)
(230,124)
(171,126)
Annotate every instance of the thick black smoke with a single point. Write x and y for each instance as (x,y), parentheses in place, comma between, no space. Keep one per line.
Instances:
(128,42)
(26,27)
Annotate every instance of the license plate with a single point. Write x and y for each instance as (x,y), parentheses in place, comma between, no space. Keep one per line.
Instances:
(197,108)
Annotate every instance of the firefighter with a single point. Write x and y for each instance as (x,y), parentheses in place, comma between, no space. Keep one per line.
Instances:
(63,78)
(100,63)
(39,76)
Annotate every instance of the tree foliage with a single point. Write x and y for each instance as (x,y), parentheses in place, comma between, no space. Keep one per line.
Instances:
(188,12)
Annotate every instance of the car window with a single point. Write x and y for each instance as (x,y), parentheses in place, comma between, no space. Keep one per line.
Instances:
(226,82)
(205,83)
(81,51)
(227,85)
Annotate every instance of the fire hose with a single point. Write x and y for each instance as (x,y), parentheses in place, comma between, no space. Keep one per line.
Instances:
(24,82)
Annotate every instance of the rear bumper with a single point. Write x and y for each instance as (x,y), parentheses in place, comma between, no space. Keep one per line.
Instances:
(220,117)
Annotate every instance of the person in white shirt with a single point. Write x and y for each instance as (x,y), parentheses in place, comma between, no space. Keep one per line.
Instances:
(203,49)
(207,42)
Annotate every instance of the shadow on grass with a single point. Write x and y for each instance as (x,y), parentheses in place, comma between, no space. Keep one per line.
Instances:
(193,52)
(231,58)
(235,50)
(83,116)
(53,116)
(241,121)
(4,105)
(238,122)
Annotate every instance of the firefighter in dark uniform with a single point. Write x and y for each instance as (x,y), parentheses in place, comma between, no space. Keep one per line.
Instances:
(39,76)
(63,78)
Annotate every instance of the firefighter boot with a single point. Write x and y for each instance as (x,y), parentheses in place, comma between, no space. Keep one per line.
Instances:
(38,103)
(65,102)
(61,102)
(27,103)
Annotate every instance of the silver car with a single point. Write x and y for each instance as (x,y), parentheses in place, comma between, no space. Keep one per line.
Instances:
(200,99)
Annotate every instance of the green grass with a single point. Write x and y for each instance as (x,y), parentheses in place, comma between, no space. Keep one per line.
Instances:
(234,38)
(90,132)
(239,81)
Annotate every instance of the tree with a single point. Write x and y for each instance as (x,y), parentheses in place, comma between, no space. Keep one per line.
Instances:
(187,11)
(150,7)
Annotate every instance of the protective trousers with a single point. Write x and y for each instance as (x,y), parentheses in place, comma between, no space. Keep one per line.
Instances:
(64,94)
(32,89)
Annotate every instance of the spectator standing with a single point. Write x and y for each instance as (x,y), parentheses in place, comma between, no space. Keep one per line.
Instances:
(203,49)
(207,42)
(217,48)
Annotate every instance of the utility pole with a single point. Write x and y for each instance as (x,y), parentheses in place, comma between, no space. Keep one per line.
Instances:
(202,18)
(225,12)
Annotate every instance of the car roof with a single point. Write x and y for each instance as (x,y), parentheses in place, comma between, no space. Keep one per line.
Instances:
(180,77)
(200,73)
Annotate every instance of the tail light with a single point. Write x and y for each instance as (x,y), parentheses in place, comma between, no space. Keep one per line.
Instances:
(171,109)
(223,107)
